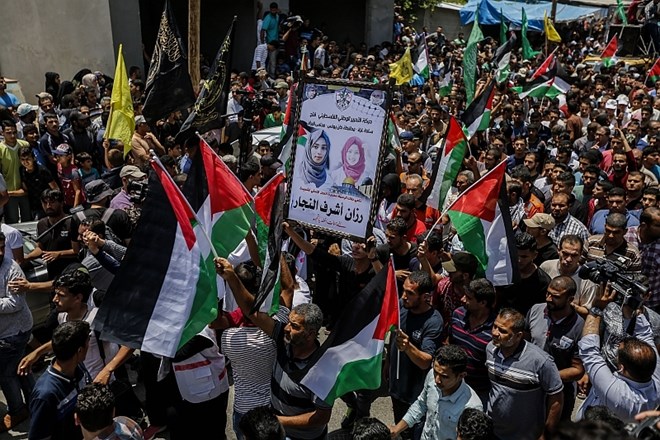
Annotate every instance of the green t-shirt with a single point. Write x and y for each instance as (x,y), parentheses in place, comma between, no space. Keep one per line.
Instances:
(10,164)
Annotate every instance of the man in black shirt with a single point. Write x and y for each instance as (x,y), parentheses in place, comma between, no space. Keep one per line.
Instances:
(533,284)
(539,226)
(53,244)
(117,221)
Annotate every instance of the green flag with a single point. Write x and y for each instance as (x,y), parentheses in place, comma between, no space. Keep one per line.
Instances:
(528,52)
(621,12)
(503,29)
(470,60)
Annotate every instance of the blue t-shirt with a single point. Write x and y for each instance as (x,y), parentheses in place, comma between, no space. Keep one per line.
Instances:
(424,330)
(52,405)
(9,100)
(598,221)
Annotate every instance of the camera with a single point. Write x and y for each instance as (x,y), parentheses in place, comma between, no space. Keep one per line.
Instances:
(614,271)
(645,430)
(137,191)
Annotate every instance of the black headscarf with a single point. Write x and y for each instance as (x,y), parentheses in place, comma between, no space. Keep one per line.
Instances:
(52,86)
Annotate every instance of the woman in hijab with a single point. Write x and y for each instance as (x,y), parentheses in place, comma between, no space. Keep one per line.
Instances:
(352,162)
(90,80)
(315,162)
(52,84)
(66,88)
(390,189)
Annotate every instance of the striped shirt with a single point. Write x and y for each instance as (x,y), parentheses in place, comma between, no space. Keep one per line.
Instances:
(474,342)
(597,250)
(520,384)
(252,355)
(289,397)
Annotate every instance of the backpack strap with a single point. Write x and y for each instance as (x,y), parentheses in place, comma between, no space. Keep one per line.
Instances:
(107,214)
(80,215)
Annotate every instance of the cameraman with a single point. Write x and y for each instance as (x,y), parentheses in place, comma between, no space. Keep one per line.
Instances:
(128,174)
(633,386)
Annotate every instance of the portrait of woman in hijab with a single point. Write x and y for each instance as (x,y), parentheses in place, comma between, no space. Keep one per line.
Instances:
(352,164)
(315,161)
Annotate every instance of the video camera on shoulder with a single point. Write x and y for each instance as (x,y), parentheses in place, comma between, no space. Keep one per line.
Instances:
(631,291)
(137,190)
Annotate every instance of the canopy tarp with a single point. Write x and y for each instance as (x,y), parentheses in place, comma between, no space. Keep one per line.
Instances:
(489,12)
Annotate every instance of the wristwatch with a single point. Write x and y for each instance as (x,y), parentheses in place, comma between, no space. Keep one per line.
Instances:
(596,311)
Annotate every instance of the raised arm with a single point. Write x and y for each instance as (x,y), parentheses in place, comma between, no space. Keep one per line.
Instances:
(244,299)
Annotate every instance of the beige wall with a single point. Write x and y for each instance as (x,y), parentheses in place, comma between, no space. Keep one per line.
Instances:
(64,36)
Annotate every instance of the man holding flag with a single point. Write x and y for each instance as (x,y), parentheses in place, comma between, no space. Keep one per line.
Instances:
(303,414)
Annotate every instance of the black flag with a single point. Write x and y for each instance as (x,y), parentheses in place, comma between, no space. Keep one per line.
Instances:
(168,87)
(212,100)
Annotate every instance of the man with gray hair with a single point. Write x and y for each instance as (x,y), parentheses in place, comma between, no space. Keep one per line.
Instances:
(303,414)
(612,243)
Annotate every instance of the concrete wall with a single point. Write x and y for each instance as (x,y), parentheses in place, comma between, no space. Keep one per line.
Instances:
(448,18)
(62,36)
(379,21)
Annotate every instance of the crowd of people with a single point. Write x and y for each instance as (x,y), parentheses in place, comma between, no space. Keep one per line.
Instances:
(570,348)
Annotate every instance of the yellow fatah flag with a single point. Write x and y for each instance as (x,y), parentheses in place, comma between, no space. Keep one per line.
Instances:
(121,123)
(550,32)
(402,70)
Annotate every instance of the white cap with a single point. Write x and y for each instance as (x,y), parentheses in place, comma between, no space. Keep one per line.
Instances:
(611,104)
(622,100)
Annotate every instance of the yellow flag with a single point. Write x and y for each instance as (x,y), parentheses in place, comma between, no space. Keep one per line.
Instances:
(550,31)
(121,123)
(402,70)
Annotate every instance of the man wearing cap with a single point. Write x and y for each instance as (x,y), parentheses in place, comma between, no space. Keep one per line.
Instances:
(10,166)
(461,270)
(143,141)
(99,195)
(128,174)
(411,141)
(269,166)
(539,226)
(27,114)
(282,89)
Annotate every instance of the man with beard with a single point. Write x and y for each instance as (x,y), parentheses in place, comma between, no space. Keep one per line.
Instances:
(54,244)
(556,328)
(417,339)
(303,414)
(526,399)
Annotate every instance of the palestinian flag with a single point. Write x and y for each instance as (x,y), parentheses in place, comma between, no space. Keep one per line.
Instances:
(352,357)
(392,136)
(163,294)
(484,226)
(269,203)
(547,69)
(537,88)
(421,61)
(447,168)
(221,202)
(477,116)
(559,87)
(654,73)
(286,134)
(445,86)
(608,57)
(502,59)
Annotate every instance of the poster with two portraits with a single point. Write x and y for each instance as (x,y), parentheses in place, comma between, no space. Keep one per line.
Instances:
(338,151)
